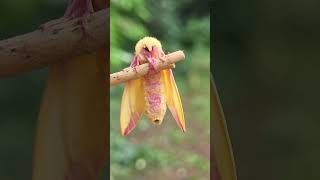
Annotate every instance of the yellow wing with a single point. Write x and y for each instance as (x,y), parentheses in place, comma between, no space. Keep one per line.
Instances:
(222,150)
(173,98)
(72,131)
(132,105)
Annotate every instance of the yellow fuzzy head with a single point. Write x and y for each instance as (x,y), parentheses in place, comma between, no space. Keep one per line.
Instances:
(147,43)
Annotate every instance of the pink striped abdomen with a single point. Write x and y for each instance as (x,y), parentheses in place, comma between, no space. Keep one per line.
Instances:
(155,100)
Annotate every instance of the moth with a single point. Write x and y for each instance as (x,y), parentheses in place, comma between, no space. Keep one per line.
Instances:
(151,94)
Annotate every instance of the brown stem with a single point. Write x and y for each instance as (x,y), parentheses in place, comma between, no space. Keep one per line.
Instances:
(40,48)
(131,73)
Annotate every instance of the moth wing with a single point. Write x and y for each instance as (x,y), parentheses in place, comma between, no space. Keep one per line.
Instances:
(132,106)
(135,61)
(173,98)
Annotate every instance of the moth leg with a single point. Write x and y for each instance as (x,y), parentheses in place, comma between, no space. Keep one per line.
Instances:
(83,25)
(153,64)
(49,25)
(81,8)
(161,55)
(135,67)
(75,9)
(158,52)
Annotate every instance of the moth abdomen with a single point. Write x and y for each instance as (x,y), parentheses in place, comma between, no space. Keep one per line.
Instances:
(155,101)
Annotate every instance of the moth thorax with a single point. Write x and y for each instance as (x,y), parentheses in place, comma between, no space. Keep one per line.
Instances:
(155,107)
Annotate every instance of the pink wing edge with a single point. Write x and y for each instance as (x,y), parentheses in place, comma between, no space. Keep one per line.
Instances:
(172,109)
(132,124)
(135,116)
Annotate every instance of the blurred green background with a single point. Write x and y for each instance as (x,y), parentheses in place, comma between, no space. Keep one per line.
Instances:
(266,65)
(265,61)
(20,96)
(163,152)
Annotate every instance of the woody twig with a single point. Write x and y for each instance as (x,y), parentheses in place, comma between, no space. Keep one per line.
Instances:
(132,73)
(41,48)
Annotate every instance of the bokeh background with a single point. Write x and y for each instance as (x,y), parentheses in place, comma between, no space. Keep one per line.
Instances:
(165,152)
(266,65)
(20,96)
